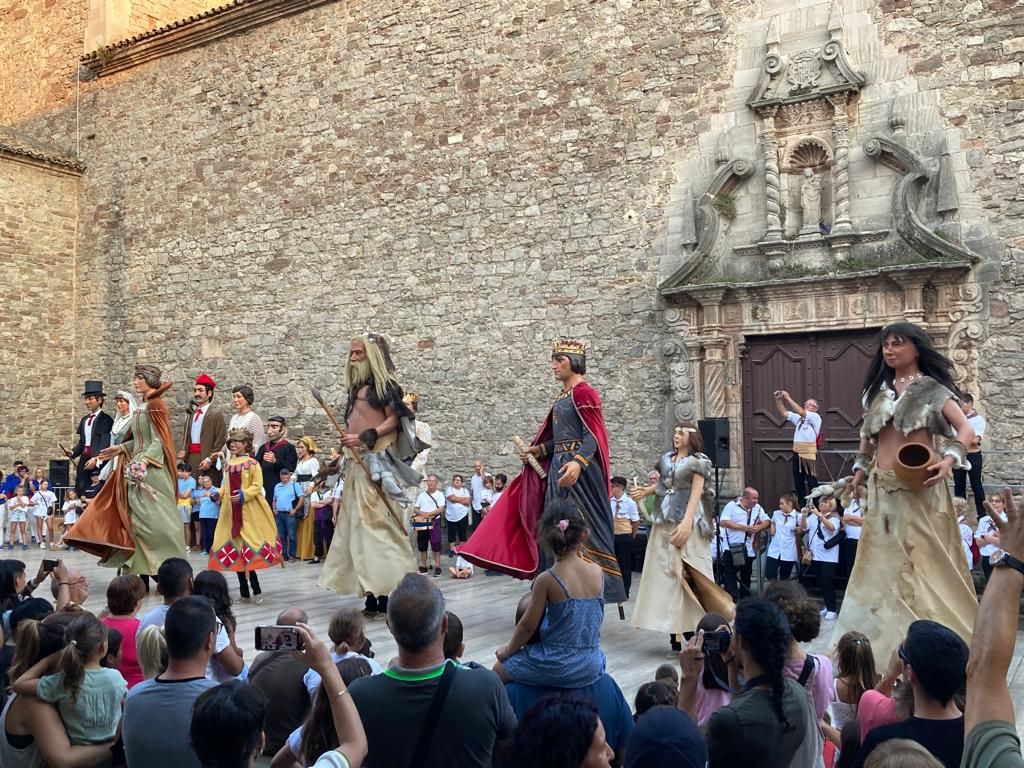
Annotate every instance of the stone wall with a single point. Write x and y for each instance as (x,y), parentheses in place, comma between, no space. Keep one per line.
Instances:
(472,181)
(972,52)
(38,229)
(40,42)
(146,15)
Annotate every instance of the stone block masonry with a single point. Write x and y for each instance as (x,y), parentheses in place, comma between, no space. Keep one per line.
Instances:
(470,178)
(38,230)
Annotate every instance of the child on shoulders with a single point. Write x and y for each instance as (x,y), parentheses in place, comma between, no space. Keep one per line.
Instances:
(567,602)
(88,696)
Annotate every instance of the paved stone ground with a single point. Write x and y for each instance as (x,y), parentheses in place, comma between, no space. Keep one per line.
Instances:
(486,605)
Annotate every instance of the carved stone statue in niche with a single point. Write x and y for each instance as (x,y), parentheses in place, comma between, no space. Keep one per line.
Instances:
(810,204)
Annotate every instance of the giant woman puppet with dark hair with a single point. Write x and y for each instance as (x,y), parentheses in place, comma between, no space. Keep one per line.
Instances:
(572,446)
(910,562)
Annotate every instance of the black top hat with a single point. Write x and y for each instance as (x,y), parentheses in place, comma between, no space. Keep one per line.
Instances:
(94,388)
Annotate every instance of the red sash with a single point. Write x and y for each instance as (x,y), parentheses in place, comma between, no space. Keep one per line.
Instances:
(194,448)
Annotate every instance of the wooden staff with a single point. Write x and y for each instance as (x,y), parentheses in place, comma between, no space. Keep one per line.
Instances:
(359,460)
(522,447)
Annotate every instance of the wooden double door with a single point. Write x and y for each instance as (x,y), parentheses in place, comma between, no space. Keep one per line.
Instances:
(829,367)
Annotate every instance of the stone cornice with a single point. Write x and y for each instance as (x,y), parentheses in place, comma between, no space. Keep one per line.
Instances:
(193,32)
(896,273)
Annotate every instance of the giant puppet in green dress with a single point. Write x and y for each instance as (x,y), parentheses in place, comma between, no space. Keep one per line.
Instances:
(135,525)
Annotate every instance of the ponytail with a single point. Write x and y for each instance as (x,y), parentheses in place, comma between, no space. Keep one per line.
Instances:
(85,637)
(72,667)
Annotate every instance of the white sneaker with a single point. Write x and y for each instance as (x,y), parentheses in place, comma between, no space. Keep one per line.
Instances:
(188,550)
(42,546)
(831,616)
(823,611)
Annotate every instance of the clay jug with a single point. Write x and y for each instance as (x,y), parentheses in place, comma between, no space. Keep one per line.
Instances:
(912,464)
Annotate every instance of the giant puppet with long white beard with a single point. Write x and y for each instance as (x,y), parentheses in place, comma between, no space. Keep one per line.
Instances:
(370,552)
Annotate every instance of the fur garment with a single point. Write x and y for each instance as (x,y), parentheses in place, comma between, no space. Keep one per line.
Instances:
(920,406)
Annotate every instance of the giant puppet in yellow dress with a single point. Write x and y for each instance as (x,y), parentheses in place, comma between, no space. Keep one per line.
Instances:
(245,539)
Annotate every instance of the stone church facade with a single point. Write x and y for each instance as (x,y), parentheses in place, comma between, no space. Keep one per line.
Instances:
(721,197)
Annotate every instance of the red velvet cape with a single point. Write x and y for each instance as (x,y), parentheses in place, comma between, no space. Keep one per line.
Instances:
(506,540)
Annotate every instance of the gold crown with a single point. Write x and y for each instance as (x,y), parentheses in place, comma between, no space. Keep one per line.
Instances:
(567,346)
(239,434)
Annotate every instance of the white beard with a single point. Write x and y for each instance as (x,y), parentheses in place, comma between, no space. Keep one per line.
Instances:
(357,373)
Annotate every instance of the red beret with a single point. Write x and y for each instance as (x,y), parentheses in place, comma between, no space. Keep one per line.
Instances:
(206,381)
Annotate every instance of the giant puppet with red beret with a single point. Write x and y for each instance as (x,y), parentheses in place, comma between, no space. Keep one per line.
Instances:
(205,431)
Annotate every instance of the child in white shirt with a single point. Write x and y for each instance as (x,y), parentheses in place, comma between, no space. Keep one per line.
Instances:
(72,509)
(17,515)
(43,500)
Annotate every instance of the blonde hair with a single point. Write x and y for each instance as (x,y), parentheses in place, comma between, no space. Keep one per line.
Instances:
(960,505)
(901,753)
(347,629)
(151,648)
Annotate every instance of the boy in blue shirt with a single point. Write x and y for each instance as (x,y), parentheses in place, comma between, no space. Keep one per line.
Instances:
(186,484)
(207,499)
(287,496)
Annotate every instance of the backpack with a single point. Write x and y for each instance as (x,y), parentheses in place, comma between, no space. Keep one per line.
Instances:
(811,751)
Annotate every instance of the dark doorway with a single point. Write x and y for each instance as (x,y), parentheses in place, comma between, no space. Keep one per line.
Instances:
(829,367)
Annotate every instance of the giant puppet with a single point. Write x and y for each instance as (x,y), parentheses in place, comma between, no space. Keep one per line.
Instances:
(571,446)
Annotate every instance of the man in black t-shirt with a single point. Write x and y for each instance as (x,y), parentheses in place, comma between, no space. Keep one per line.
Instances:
(935,666)
(474,718)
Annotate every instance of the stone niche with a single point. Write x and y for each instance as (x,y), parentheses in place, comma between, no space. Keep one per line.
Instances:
(828,194)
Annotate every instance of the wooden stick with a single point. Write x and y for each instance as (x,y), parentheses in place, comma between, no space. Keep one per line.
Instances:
(359,460)
(522,447)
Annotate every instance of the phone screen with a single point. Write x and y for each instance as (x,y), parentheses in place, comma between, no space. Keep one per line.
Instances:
(278,638)
(49,564)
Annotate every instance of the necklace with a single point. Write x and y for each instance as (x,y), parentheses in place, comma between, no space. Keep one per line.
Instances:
(908,379)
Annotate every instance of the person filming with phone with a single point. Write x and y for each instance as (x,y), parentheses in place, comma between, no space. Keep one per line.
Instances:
(704,687)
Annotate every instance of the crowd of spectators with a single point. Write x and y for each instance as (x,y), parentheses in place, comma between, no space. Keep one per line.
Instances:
(173,688)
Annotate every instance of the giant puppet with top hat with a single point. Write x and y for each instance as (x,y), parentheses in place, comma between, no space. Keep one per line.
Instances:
(572,432)
(204,433)
(93,433)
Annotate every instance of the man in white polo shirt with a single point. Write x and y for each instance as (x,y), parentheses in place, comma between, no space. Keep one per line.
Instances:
(741,521)
(805,441)
(977,422)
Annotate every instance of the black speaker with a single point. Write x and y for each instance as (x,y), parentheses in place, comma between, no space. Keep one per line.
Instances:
(59,473)
(715,434)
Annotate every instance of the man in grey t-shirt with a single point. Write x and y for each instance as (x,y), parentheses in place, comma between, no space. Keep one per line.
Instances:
(158,712)
(476,717)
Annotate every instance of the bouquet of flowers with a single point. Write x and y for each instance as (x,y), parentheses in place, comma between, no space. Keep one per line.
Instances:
(135,473)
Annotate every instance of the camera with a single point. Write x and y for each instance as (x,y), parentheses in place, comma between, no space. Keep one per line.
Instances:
(717,642)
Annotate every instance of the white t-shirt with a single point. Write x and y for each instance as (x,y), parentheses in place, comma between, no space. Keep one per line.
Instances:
(43,500)
(155,618)
(968,536)
(783,546)
(807,428)
(338,488)
(985,527)
(476,485)
(817,543)
(71,509)
(312,678)
(853,531)
(214,669)
(737,514)
(429,503)
(977,422)
(455,511)
(495,495)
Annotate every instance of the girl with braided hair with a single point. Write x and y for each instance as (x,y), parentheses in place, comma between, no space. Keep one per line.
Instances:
(569,597)
(769,721)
